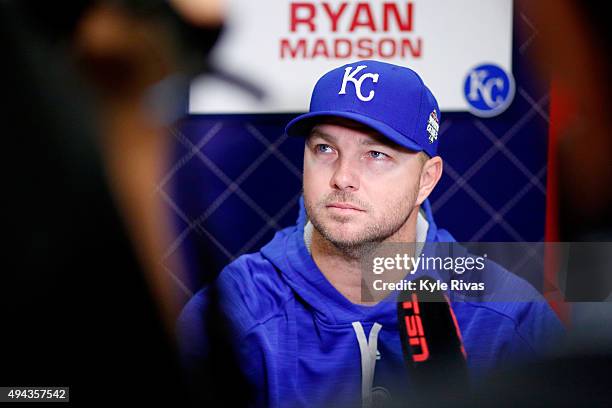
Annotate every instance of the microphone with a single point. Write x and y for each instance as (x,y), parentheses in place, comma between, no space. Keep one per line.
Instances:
(431,340)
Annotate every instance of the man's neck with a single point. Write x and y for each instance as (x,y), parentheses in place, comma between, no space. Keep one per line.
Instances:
(342,267)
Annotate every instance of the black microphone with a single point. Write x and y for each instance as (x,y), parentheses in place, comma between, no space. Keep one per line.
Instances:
(431,340)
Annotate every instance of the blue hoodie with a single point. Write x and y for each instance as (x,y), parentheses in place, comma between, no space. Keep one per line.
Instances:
(300,342)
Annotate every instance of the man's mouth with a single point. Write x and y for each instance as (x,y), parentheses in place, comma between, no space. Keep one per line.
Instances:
(344,207)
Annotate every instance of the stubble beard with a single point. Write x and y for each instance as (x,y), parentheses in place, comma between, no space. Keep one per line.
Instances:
(376,231)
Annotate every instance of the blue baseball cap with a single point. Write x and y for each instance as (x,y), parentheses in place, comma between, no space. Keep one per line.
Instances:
(390,99)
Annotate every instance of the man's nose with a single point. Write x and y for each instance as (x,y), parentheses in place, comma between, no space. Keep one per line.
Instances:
(345,176)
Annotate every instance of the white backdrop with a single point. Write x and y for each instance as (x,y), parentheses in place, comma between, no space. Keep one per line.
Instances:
(440,39)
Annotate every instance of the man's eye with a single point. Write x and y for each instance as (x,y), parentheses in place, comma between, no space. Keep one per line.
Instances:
(377,155)
(323,148)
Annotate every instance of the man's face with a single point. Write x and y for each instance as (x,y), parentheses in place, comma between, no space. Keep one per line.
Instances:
(358,187)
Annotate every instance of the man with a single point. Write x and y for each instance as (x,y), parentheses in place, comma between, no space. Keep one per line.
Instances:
(302,332)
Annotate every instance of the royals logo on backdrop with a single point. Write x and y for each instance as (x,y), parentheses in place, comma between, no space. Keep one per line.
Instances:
(489,90)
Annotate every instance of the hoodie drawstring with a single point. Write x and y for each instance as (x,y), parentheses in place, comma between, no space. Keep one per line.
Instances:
(367,348)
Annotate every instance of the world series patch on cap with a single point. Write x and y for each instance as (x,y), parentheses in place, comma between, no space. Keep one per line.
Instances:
(388,98)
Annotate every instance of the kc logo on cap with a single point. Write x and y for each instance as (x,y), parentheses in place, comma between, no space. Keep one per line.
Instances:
(390,99)
(348,76)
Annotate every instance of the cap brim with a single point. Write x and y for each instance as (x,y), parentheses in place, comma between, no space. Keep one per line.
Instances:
(302,125)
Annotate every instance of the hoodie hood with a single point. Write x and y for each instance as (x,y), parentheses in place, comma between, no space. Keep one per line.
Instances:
(289,254)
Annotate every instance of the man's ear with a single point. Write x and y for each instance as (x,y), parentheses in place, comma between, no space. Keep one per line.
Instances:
(430,175)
